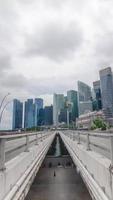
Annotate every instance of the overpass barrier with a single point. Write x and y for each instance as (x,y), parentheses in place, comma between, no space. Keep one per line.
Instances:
(17,174)
(96,169)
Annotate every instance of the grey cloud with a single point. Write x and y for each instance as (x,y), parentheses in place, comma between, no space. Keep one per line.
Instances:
(56,41)
(14,81)
(5,62)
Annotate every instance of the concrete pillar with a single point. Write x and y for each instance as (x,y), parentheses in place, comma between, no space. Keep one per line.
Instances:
(2,154)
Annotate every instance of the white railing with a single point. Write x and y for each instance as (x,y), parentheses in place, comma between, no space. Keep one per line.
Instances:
(10,143)
(104,141)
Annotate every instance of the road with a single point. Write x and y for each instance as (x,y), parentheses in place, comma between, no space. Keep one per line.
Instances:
(66,185)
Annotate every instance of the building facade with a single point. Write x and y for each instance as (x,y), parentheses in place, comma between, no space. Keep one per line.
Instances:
(72,97)
(17,114)
(84,92)
(85,121)
(84,97)
(48,115)
(106,83)
(38,105)
(97,98)
(29,114)
(58,104)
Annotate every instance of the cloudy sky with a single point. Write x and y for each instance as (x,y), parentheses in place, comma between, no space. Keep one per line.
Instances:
(47,45)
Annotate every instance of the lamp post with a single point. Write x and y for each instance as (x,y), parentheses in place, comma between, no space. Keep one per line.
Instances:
(4,99)
(1,114)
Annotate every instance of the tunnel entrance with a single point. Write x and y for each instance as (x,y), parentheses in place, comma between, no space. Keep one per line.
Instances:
(57,177)
(57,155)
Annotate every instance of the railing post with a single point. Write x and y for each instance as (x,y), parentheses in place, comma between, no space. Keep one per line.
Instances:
(88,142)
(78,138)
(36,139)
(2,154)
(41,137)
(111,149)
(73,136)
(27,143)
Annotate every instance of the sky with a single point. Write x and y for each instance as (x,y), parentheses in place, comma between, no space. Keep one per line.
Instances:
(47,45)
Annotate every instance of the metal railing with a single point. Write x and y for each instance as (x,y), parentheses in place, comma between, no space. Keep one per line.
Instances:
(88,137)
(38,136)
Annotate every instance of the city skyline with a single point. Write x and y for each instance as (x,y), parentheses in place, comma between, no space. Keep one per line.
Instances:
(46,46)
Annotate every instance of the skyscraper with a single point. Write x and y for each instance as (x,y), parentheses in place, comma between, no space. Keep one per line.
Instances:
(72,97)
(17,114)
(48,115)
(85,98)
(84,91)
(29,114)
(106,83)
(97,92)
(58,104)
(38,106)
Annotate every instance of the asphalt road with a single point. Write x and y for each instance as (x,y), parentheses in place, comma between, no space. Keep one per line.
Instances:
(66,185)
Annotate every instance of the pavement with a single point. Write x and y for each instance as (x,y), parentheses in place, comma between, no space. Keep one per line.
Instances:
(66,185)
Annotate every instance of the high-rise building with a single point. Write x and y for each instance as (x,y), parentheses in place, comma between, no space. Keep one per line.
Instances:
(85,107)
(72,97)
(29,114)
(97,92)
(106,83)
(58,104)
(84,91)
(85,98)
(48,115)
(38,106)
(41,117)
(17,114)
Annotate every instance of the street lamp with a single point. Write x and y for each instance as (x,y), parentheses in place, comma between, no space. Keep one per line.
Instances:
(4,99)
(1,114)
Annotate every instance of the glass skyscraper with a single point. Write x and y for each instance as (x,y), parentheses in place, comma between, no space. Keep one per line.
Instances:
(38,105)
(17,114)
(97,92)
(72,97)
(58,104)
(106,83)
(84,91)
(29,114)
(48,115)
(84,97)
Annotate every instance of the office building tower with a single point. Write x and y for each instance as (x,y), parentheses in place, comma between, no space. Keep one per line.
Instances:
(97,102)
(85,107)
(58,104)
(48,115)
(84,91)
(72,97)
(38,105)
(106,83)
(17,114)
(84,97)
(29,114)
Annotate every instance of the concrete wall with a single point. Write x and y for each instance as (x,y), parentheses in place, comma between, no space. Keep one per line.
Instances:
(55,161)
(93,167)
(20,172)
